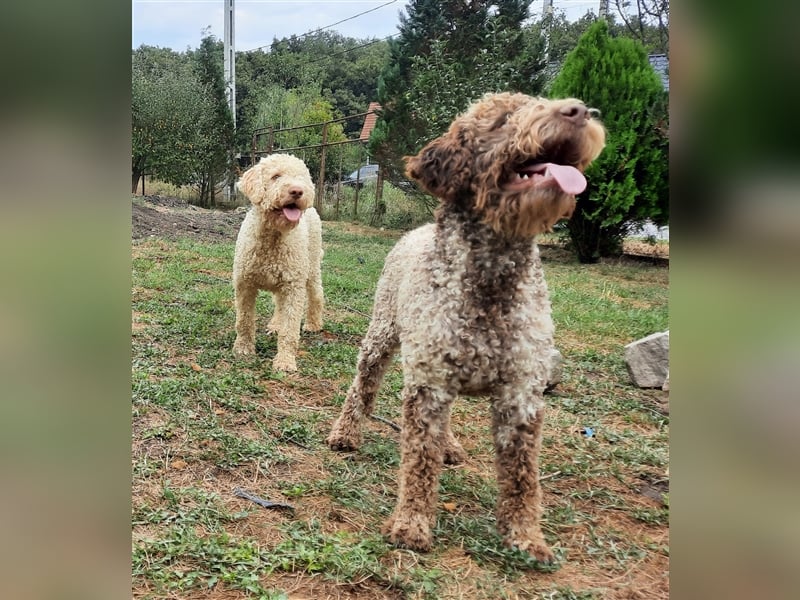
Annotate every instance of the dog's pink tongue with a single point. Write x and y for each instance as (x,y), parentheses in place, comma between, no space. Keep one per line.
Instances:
(292,213)
(569,178)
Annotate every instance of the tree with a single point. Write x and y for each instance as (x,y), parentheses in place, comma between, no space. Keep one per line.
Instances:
(350,78)
(181,127)
(215,144)
(560,35)
(628,182)
(649,23)
(169,108)
(343,70)
(281,108)
(448,54)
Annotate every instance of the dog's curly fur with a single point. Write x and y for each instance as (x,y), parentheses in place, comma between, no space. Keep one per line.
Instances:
(279,249)
(466,301)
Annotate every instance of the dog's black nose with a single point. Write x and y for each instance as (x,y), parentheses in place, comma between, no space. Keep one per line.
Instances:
(577,113)
(296,192)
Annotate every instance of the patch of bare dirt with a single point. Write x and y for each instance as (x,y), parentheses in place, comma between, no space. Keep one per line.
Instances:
(172,218)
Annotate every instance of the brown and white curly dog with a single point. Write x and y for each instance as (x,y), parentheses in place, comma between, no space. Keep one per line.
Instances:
(466,302)
(279,249)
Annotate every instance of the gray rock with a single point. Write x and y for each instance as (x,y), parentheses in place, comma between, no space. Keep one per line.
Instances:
(647,360)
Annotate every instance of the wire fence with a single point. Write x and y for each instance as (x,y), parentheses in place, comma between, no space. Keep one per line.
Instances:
(335,160)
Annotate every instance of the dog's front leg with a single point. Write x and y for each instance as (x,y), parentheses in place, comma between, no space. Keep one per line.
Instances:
(421,459)
(517,427)
(290,304)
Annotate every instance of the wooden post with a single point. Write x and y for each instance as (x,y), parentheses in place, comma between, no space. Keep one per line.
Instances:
(358,181)
(321,181)
(339,184)
(380,207)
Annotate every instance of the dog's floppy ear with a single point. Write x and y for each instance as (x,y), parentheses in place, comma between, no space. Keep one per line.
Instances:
(443,167)
(250,182)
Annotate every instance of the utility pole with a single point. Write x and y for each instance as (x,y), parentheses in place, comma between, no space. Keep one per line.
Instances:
(229,65)
(547,15)
(229,62)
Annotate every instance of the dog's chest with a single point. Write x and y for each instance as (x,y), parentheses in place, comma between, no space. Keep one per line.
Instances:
(271,264)
(473,344)
(474,315)
(497,346)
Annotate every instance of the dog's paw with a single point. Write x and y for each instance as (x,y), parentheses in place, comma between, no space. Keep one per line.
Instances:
(343,441)
(411,531)
(243,348)
(286,364)
(454,454)
(537,548)
(312,325)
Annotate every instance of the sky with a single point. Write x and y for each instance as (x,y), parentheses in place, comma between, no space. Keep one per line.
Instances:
(178,24)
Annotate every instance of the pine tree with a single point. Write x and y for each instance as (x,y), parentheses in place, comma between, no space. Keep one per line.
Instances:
(628,183)
(448,54)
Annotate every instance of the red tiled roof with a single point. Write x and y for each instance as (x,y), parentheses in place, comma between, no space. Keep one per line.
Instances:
(369,121)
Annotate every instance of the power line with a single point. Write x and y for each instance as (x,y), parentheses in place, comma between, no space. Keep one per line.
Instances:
(551,2)
(327,56)
(331,25)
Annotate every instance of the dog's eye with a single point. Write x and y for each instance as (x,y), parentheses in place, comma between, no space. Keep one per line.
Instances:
(276,176)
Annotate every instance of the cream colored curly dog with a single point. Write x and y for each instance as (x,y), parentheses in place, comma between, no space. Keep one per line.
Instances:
(279,249)
(466,302)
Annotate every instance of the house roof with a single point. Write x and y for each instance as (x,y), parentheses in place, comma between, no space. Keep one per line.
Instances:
(369,121)
(660,64)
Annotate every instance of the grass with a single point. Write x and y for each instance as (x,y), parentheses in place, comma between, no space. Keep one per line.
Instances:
(205,424)
(402,210)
